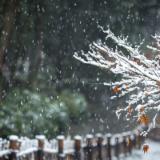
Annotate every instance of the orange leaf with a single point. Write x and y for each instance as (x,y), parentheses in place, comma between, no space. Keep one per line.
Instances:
(135,59)
(143,103)
(126,85)
(145,89)
(156,121)
(129,110)
(143,118)
(141,109)
(145,148)
(139,121)
(127,142)
(158,83)
(115,89)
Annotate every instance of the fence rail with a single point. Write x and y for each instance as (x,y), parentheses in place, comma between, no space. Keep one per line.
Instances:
(99,147)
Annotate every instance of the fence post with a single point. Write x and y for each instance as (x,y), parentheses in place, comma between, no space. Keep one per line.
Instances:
(136,142)
(117,147)
(61,155)
(108,136)
(78,151)
(99,145)
(140,137)
(130,142)
(40,139)
(89,146)
(124,143)
(13,146)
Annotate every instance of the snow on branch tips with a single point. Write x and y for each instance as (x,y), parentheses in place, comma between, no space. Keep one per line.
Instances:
(137,71)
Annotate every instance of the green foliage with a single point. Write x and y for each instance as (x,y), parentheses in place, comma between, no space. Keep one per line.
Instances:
(27,113)
(76,105)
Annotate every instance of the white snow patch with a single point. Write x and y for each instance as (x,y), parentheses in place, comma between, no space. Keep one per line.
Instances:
(152,154)
(89,136)
(28,151)
(60,137)
(4,152)
(40,137)
(99,135)
(77,137)
(13,137)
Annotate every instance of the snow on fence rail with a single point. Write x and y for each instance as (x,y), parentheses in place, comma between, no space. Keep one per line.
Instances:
(89,148)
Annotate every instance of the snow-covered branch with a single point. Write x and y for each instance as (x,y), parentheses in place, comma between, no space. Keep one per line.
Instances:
(138,74)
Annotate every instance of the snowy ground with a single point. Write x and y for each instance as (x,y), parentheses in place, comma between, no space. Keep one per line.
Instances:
(152,154)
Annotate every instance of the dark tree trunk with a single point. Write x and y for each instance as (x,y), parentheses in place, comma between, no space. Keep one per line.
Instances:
(62,49)
(21,39)
(9,12)
(35,57)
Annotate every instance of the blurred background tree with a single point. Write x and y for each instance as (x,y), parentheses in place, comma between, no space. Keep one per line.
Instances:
(38,39)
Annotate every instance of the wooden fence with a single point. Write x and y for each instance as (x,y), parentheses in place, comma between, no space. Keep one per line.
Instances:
(89,148)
